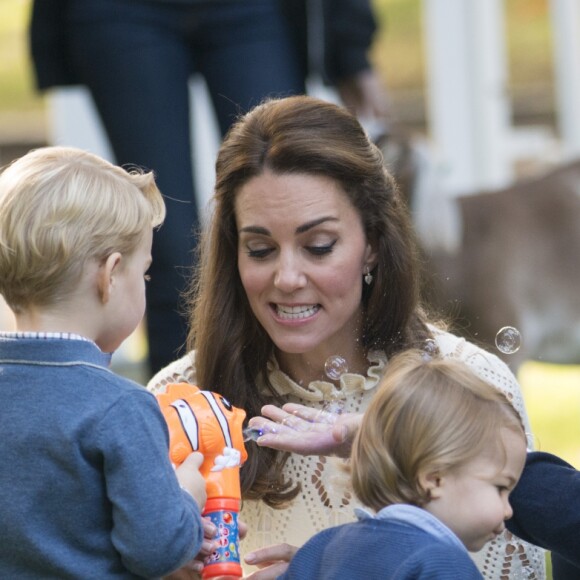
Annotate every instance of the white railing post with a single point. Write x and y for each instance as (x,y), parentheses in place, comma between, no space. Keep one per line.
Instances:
(565,15)
(468,107)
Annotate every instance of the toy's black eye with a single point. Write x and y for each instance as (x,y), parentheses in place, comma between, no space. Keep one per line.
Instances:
(226,404)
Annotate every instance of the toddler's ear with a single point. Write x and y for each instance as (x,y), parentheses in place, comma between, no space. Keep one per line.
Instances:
(106,276)
(431,483)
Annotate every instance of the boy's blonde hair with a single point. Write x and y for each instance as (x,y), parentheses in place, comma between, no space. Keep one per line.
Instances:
(61,207)
(428,415)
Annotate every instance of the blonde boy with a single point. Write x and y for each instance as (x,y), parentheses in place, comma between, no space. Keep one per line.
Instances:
(86,486)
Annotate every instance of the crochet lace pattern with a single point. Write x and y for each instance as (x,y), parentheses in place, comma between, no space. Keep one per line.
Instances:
(326,499)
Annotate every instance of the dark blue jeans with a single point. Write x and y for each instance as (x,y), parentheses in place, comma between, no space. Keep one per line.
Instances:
(136,57)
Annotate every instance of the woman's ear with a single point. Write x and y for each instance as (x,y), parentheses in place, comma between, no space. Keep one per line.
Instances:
(371,257)
(106,276)
(432,483)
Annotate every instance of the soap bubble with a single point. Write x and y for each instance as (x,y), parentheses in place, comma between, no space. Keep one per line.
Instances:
(526,573)
(252,433)
(334,406)
(335,366)
(508,340)
(430,349)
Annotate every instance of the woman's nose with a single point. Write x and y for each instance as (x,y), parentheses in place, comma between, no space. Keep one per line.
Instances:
(289,274)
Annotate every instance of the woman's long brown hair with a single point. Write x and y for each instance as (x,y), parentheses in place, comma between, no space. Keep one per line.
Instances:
(307,136)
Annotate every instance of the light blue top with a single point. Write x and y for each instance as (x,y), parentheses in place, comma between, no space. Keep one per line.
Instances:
(415,516)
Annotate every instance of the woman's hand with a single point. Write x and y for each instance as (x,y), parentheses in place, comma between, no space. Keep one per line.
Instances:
(306,431)
(271,561)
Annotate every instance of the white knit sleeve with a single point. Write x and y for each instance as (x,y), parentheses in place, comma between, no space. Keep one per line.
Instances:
(179,371)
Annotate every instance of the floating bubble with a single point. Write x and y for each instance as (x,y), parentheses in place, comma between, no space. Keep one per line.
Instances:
(430,349)
(527,573)
(335,366)
(508,340)
(334,406)
(252,433)
(530,441)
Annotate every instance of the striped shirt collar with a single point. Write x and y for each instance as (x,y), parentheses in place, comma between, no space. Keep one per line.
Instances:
(45,335)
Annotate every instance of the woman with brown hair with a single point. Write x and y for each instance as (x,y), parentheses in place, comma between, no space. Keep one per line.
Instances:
(309,262)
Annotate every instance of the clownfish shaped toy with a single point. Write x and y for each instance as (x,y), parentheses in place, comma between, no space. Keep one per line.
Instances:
(205,421)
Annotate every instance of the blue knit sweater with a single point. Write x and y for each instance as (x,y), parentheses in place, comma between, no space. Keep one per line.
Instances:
(86,486)
(401,543)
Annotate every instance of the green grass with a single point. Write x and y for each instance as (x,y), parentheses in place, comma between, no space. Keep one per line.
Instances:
(17,92)
(552,396)
(398,52)
(529,41)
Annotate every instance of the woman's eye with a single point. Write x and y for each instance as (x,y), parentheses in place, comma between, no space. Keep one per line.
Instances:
(321,250)
(259,253)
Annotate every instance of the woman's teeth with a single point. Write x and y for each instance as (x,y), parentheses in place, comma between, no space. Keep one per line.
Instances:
(296,312)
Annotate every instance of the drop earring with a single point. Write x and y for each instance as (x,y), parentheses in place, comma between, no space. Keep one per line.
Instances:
(368,277)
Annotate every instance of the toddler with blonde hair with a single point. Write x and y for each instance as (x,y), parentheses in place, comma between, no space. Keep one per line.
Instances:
(437,455)
(86,486)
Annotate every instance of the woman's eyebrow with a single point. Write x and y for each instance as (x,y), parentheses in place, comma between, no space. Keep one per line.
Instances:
(256,230)
(309,225)
(299,230)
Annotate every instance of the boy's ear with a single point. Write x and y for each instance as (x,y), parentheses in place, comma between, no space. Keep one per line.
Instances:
(432,483)
(106,275)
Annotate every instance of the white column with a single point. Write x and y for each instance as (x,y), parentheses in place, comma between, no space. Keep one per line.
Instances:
(206,140)
(468,108)
(565,16)
(73,121)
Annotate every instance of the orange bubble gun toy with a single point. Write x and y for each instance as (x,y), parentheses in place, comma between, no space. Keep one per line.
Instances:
(206,422)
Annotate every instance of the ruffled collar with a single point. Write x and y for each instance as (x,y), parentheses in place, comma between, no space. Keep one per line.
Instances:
(324,390)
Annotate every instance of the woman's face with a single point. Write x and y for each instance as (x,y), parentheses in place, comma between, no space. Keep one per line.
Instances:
(302,253)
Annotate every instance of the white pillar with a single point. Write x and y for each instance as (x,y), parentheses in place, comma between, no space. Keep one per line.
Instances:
(468,109)
(206,140)
(73,121)
(565,16)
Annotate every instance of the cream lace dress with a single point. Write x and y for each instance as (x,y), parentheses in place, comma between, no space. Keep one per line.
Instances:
(325,499)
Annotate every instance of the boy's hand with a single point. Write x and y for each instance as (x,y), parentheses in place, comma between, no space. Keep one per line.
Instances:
(192,570)
(190,478)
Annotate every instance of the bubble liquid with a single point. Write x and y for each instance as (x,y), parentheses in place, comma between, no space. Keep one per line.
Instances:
(508,340)
(335,366)
(225,560)
(252,433)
